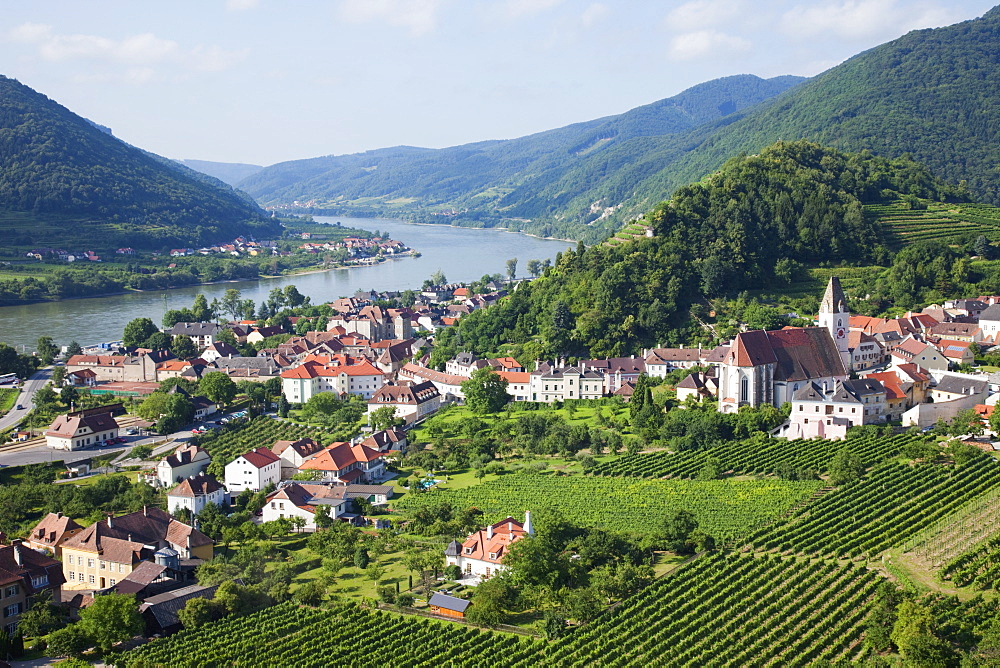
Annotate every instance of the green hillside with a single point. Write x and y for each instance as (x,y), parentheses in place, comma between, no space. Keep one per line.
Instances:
(63,180)
(748,226)
(474,176)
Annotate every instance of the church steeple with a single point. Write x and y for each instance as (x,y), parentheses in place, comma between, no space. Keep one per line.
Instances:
(835,316)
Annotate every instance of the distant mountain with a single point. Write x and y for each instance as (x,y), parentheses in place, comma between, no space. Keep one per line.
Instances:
(475,176)
(931,94)
(56,166)
(227,172)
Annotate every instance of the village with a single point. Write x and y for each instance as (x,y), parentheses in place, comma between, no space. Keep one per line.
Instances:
(847,371)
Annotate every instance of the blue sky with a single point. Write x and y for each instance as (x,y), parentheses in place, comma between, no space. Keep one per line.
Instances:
(262,81)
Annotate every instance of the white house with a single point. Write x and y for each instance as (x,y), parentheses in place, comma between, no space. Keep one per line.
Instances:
(829,410)
(345,463)
(304,500)
(559,383)
(195,493)
(74,431)
(412,400)
(661,361)
(342,374)
(480,555)
(185,462)
(253,470)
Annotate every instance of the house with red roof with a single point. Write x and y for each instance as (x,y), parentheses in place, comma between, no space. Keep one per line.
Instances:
(924,355)
(481,555)
(49,534)
(764,367)
(25,573)
(253,470)
(345,463)
(342,374)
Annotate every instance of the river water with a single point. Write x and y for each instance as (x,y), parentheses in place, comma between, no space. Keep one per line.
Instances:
(463,254)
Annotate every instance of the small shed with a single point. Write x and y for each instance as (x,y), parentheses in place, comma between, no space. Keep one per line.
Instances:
(450,606)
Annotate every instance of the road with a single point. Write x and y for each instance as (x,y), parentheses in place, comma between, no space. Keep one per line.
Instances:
(32,385)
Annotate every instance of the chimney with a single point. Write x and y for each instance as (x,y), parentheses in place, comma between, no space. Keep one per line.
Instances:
(510,527)
(59,515)
(145,511)
(16,544)
(489,532)
(109,521)
(528,528)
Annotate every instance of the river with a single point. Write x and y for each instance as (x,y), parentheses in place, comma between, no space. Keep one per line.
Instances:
(463,254)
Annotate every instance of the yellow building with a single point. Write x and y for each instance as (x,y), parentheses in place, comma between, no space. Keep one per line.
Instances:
(106,552)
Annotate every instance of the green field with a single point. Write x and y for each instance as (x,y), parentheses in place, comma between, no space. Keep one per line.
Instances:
(726,509)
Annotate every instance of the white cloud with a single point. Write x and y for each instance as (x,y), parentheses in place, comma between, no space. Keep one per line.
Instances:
(140,54)
(419,16)
(864,19)
(702,43)
(241,5)
(594,14)
(701,14)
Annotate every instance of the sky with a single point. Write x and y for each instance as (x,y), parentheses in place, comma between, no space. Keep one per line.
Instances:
(263,81)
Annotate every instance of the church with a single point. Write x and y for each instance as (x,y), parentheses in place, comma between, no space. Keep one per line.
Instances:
(762,367)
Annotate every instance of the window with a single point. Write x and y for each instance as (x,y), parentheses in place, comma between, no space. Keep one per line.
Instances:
(90,563)
(72,575)
(468,550)
(11,591)
(69,559)
(90,579)
(12,610)
(39,582)
(493,555)
(113,582)
(104,565)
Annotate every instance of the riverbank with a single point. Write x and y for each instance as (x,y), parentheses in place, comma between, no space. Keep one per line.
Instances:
(464,254)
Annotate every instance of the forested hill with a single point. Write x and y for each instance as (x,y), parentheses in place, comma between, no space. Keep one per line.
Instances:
(745,227)
(54,163)
(437,179)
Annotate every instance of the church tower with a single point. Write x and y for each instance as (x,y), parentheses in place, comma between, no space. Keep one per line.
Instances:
(834,315)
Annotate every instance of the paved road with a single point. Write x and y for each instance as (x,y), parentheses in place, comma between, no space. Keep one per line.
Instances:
(28,390)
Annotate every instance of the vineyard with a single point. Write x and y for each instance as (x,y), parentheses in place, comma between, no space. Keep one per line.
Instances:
(226,445)
(958,533)
(979,567)
(289,635)
(937,222)
(885,508)
(771,457)
(726,509)
(727,610)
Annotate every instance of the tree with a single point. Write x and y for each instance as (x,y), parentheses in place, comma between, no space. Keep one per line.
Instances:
(232,303)
(438,278)
(58,376)
(70,641)
(218,387)
(43,397)
(110,619)
(282,406)
(845,467)
(311,592)
(138,331)
(157,341)
(198,612)
(676,531)
(183,347)
(534,268)
(74,348)
(361,558)
(485,391)
(512,268)
(383,418)
(47,350)
(41,617)
(69,395)
(200,310)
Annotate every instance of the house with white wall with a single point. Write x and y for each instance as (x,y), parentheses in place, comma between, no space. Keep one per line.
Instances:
(185,462)
(411,400)
(195,493)
(342,374)
(74,431)
(304,500)
(479,557)
(253,470)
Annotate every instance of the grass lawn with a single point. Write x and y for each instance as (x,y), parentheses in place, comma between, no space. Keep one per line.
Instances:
(8,396)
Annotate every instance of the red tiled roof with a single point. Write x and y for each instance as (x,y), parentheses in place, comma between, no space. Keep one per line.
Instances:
(260,457)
